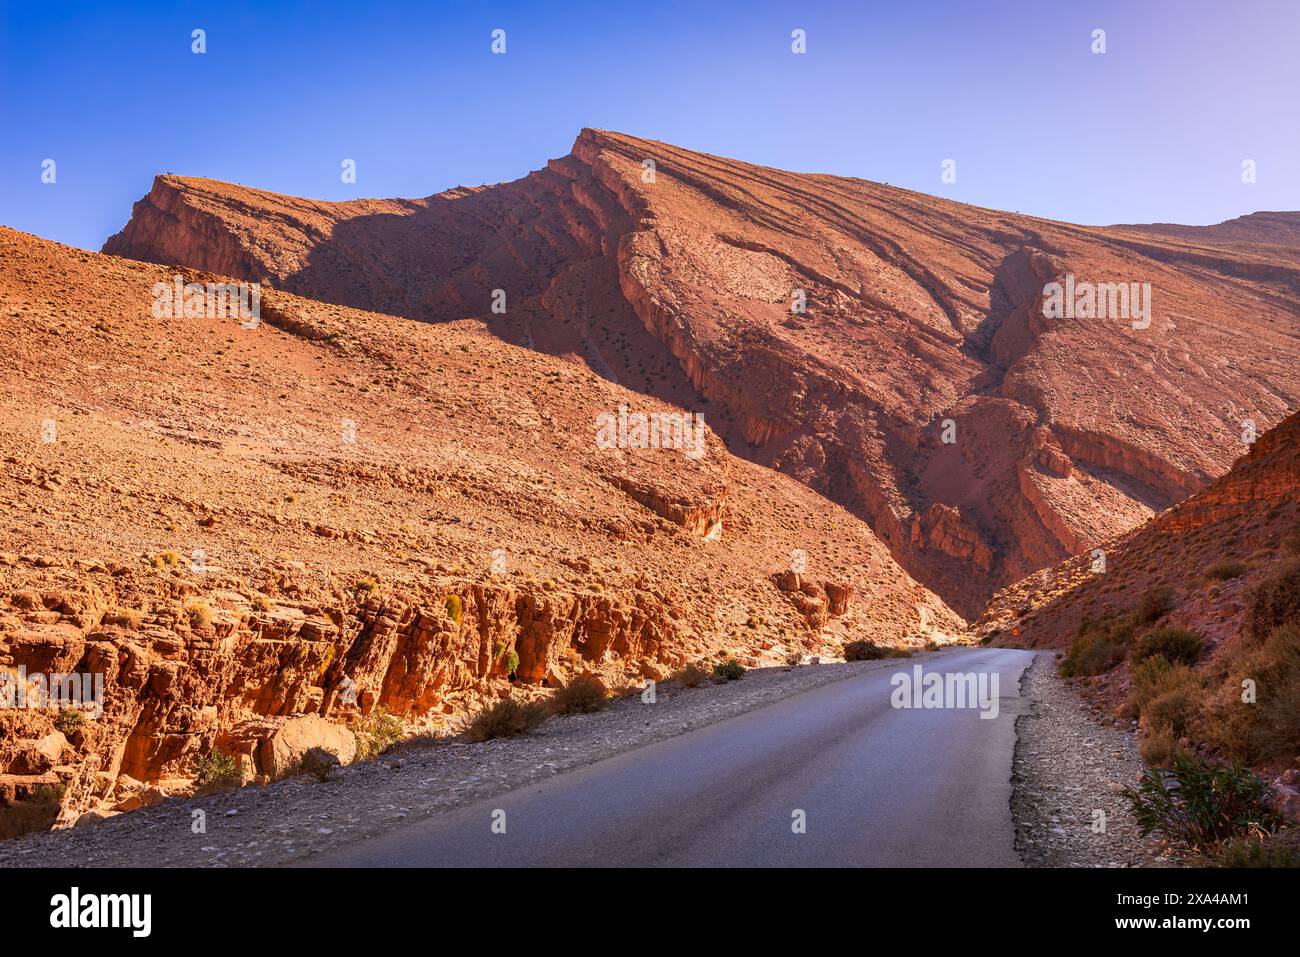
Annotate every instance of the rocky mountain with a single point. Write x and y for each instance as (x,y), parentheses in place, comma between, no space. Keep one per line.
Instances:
(257,531)
(888,349)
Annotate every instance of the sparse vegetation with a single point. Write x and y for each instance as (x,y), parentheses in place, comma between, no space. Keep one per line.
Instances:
(863,650)
(692,676)
(366,585)
(729,670)
(1275,600)
(1266,851)
(1267,727)
(1200,804)
(582,695)
(69,720)
(454,608)
(1099,646)
(1155,604)
(217,770)
(198,613)
(124,618)
(167,559)
(262,603)
(37,813)
(507,718)
(794,659)
(1172,644)
(1226,571)
(375,732)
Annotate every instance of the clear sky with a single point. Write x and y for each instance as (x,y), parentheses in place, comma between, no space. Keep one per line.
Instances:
(1154,129)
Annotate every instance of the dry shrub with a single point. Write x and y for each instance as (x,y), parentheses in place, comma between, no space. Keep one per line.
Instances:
(506,718)
(1268,729)
(583,695)
(691,676)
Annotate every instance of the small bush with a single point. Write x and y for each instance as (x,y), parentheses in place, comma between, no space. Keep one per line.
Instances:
(454,608)
(124,618)
(375,732)
(217,770)
(506,719)
(1172,644)
(262,603)
(794,659)
(69,720)
(583,695)
(366,584)
(1255,852)
(1199,804)
(167,559)
(1155,604)
(1275,601)
(1266,730)
(1099,646)
(1158,746)
(864,650)
(199,614)
(37,813)
(691,676)
(729,670)
(1226,571)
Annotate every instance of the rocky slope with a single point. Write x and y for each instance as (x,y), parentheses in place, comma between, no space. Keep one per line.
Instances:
(256,535)
(677,274)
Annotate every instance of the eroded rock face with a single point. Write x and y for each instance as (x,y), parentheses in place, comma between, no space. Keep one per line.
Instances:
(919,317)
(254,537)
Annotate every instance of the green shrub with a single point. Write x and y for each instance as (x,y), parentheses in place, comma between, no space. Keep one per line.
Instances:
(1171,643)
(1099,646)
(1199,804)
(583,695)
(375,732)
(1225,571)
(1275,601)
(1155,604)
(454,608)
(863,650)
(69,720)
(506,719)
(217,770)
(729,670)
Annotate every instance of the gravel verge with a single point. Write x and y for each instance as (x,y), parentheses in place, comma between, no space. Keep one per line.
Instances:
(1066,767)
(298,817)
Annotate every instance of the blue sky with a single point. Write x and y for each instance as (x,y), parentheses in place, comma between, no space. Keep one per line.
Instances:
(1155,129)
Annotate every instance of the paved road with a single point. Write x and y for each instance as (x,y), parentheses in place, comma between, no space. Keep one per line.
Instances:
(878,785)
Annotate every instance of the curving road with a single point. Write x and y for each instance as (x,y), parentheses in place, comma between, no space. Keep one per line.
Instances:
(877,785)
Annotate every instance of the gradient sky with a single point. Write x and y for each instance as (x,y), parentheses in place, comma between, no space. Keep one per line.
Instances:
(1153,130)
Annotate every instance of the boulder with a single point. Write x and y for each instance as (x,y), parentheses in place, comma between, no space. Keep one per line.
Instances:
(282,753)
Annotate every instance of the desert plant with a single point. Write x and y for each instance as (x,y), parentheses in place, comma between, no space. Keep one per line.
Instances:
(1171,643)
(1099,646)
(794,659)
(1275,601)
(1155,604)
(167,559)
(123,618)
(198,613)
(1267,851)
(366,584)
(1225,571)
(1158,746)
(1198,803)
(691,676)
(729,670)
(375,732)
(506,718)
(583,695)
(262,603)
(454,608)
(37,812)
(217,769)
(69,720)
(1266,726)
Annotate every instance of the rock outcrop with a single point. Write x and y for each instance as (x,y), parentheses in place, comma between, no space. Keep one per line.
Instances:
(886,348)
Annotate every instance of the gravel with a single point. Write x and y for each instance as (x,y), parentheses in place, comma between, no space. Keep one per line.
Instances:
(1066,768)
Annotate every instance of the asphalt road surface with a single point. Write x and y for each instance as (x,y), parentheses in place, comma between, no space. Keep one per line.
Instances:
(874,785)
